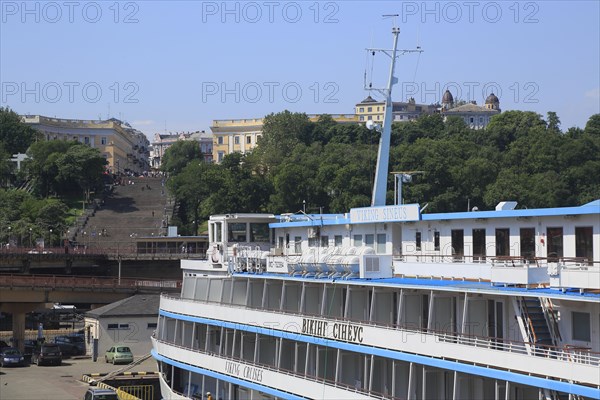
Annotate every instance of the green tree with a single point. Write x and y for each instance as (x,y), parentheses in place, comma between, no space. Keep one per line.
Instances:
(81,168)
(179,155)
(553,122)
(592,127)
(281,133)
(43,164)
(508,126)
(6,167)
(14,134)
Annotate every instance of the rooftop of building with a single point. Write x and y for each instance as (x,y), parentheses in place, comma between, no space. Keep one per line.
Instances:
(137,305)
(470,108)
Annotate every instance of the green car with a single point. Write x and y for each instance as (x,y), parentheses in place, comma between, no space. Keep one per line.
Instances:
(119,355)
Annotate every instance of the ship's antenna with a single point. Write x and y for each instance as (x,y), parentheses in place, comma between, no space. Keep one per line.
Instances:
(383,155)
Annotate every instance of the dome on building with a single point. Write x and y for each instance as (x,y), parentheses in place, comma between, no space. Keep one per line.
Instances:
(491,99)
(447,98)
(369,99)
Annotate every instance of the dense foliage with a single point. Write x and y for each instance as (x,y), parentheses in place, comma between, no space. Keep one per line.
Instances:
(33,201)
(329,167)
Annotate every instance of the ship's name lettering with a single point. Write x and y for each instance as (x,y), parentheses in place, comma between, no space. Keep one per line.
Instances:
(248,372)
(382,214)
(338,331)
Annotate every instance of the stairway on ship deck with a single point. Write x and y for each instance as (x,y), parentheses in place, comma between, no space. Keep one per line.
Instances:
(539,325)
(139,207)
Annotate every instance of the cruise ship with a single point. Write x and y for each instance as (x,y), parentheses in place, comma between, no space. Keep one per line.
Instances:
(388,302)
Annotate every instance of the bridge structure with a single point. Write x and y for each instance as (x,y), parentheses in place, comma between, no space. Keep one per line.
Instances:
(69,260)
(20,294)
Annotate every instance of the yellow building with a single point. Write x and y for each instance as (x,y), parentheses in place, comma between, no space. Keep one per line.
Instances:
(373,110)
(125,148)
(241,135)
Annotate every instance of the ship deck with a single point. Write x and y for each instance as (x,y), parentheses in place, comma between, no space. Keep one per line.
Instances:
(451,285)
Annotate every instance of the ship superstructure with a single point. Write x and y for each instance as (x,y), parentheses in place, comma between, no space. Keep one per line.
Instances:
(389,302)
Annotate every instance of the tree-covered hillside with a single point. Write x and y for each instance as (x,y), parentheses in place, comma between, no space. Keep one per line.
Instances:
(329,167)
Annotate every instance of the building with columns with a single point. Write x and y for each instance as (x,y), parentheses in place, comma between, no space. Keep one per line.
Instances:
(474,116)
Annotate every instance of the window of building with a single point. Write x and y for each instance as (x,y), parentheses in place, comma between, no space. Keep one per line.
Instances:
(280,242)
(362,118)
(527,236)
(471,119)
(337,240)
(118,326)
(104,140)
(502,242)
(418,240)
(324,241)
(457,236)
(259,232)
(584,244)
(313,241)
(436,240)
(478,245)
(369,240)
(580,323)
(220,156)
(369,109)
(248,139)
(381,239)
(481,120)
(555,243)
(152,325)
(236,140)
(86,140)
(369,117)
(220,140)
(361,109)
(357,240)
(297,244)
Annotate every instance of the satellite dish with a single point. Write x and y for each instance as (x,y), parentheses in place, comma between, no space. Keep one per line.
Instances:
(370,125)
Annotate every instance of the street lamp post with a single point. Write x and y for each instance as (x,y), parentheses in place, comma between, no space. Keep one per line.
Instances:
(50,238)
(30,241)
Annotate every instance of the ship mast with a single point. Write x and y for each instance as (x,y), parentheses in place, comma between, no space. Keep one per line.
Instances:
(383,155)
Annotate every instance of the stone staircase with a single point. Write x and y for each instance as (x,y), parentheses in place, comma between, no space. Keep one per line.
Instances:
(139,207)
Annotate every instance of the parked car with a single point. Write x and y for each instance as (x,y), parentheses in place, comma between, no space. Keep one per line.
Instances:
(28,348)
(67,350)
(119,354)
(11,357)
(76,342)
(100,394)
(47,353)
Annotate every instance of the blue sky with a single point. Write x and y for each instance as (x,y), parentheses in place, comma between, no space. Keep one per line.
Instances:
(178,65)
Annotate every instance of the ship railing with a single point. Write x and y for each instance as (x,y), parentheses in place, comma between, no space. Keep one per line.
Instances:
(580,263)
(567,353)
(279,370)
(501,261)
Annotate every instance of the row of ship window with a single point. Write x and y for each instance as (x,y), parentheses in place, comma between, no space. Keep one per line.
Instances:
(553,239)
(375,375)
